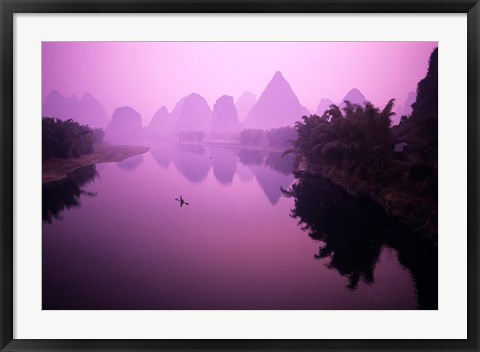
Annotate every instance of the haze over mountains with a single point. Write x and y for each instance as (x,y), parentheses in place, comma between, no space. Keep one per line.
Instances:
(277,106)
(86,111)
(244,104)
(125,126)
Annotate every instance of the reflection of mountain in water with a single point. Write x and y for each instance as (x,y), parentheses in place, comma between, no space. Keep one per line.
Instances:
(353,232)
(66,194)
(163,154)
(192,162)
(244,172)
(271,182)
(224,164)
(131,163)
(271,170)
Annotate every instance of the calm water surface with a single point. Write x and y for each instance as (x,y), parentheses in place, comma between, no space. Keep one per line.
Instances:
(115,238)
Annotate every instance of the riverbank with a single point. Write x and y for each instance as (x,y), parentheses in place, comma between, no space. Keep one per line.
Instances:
(410,203)
(56,169)
(235,145)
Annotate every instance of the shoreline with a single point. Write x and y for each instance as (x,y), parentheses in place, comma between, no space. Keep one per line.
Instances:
(396,204)
(57,169)
(232,145)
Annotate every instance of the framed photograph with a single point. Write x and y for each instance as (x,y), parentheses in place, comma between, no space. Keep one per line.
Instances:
(253,175)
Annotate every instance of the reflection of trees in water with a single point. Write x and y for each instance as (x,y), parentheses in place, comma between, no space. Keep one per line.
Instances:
(353,232)
(131,163)
(66,193)
(192,148)
(274,160)
(277,162)
(250,156)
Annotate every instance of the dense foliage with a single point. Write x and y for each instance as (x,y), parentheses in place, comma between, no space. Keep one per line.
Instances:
(190,136)
(354,148)
(67,139)
(251,136)
(356,140)
(283,136)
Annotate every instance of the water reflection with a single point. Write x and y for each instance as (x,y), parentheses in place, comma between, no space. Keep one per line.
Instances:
(353,236)
(66,194)
(192,162)
(280,163)
(353,232)
(250,156)
(224,164)
(270,169)
(131,163)
(271,182)
(163,154)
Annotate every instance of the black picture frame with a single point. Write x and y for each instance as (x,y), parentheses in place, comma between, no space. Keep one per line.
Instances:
(9,7)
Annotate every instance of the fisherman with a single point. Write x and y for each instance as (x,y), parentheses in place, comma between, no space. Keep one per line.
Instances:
(181,200)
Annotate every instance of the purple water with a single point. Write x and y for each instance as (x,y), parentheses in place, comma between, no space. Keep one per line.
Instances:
(121,241)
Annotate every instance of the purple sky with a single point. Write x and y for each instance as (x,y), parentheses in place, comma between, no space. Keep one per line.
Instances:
(148,75)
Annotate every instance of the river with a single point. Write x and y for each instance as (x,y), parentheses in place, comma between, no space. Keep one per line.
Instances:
(251,237)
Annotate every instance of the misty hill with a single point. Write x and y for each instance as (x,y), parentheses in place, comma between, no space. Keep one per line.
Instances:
(244,104)
(224,117)
(277,106)
(354,96)
(161,124)
(194,114)
(86,111)
(323,105)
(405,109)
(125,126)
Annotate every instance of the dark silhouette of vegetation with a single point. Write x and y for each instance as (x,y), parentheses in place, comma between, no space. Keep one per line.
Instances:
(66,194)
(190,136)
(420,129)
(67,139)
(354,148)
(251,136)
(283,136)
(357,141)
(354,231)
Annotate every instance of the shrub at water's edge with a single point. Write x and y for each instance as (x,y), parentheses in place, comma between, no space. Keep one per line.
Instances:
(68,145)
(67,139)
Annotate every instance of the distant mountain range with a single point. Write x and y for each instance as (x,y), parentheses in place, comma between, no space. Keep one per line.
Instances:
(353,96)
(277,106)
(87,110)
